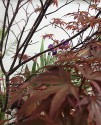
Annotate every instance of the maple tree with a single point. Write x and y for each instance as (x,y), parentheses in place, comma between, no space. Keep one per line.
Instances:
(64,91)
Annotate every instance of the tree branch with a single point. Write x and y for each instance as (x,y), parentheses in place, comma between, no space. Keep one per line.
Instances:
(31,32)
(59,8)
(4,25)
(77,34)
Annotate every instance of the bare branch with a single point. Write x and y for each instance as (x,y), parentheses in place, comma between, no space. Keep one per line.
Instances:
(24,62)
(42,5)
(4,26)
(59,8)
(34,27)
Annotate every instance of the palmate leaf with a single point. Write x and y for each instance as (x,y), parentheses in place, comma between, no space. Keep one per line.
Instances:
(57,100)
(38,121)
(48,79)
(95,1)
(37,96)
(94,109)
(88,73)
(47,36)
(30,109)
(32,122)
(44,106)
(80,117)
(93,104)
(2,122)
(52,75)
(97,87)
(95,49)
(83,53)
(74,91)
(59,71)
(84,101)
(55,2)
(18,93)
(56,75)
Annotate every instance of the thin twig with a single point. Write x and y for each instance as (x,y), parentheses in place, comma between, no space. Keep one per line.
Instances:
(59,8)
(77,34)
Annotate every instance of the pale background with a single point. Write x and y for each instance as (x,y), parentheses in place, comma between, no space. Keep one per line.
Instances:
(58,33)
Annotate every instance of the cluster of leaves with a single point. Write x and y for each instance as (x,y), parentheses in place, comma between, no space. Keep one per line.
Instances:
(59,90)
(67,92)
(45,59)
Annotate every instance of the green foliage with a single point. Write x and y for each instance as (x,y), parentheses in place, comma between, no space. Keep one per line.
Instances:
(2,115)
(43,60)
(43,56)
(0,33)
(2,100)
(10,47)
(99,38)
(34,67)
(2,104)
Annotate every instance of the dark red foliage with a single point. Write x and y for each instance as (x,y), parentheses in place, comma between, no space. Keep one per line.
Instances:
(54,94)
(67,92)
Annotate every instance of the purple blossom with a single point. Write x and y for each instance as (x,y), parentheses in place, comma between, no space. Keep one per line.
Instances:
(64,45)
(54,51)
(50,46)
